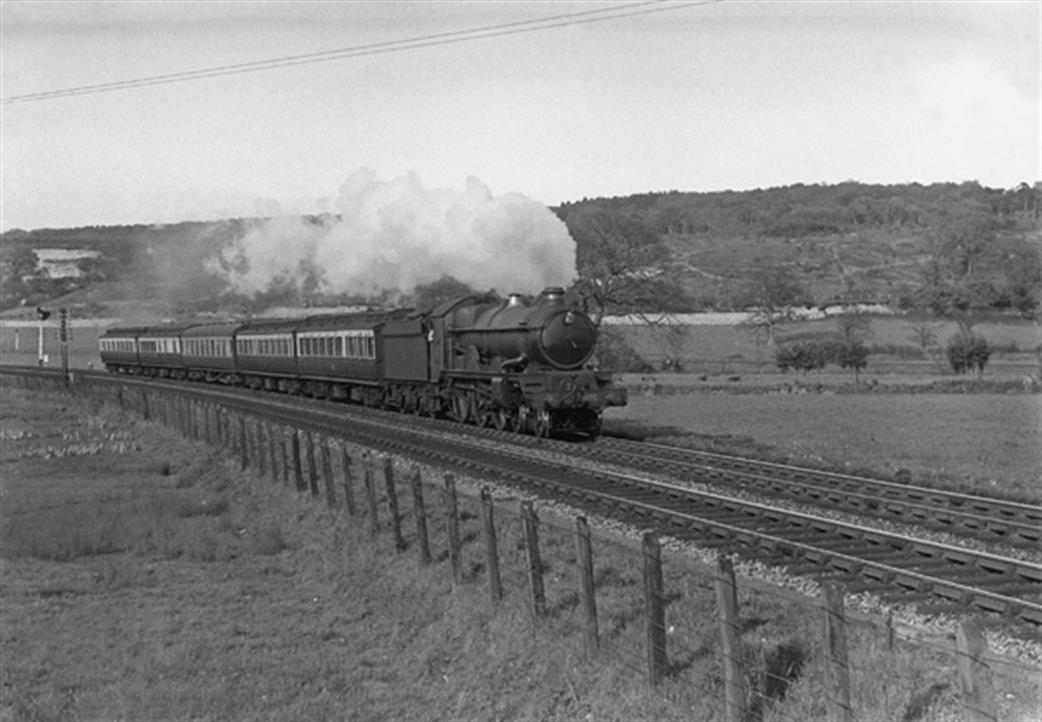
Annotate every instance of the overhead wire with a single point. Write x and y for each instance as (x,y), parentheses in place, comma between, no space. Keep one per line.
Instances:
(614,12)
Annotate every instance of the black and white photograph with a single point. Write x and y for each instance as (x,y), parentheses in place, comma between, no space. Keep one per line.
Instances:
(592,360)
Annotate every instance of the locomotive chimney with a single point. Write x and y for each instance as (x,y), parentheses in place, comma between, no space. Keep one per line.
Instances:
(552,296)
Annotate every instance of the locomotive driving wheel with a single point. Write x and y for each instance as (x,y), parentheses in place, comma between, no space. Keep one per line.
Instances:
(460,406)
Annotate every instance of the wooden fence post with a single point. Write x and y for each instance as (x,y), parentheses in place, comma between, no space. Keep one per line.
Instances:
(392,503)
(349,494)
(298,473)
(530,527)
(837,669)
(327,473)
(370,493)
(244,452)
(420,513)
(978,699)
(452,522)
(144,405)
(284,443)
(488,509)
(655,608)
(262,456)
(312,467)
(587,592)
(270,433)
(727,614)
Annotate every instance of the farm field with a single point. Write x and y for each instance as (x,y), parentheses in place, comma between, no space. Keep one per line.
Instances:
(144,577)
(894,340)
(982,442)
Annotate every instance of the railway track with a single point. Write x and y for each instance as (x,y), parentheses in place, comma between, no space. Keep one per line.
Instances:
(987,519)
(898,568)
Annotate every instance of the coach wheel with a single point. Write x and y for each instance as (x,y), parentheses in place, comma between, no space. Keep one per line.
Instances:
(431,405)
(542,424)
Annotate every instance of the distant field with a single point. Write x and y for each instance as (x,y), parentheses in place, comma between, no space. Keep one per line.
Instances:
(19,345)
(985,442)
(730,349)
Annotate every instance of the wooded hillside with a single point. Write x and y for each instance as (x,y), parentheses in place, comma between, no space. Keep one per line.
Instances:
(941,247)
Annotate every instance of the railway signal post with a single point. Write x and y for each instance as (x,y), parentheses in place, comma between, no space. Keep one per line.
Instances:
(63,339)
(41,359)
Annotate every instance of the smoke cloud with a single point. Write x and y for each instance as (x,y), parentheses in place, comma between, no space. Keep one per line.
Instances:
(397,234)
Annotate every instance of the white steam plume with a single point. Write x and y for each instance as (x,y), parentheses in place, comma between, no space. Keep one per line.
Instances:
(394,235)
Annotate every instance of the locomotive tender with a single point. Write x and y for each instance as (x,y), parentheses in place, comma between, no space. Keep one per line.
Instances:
(478,359)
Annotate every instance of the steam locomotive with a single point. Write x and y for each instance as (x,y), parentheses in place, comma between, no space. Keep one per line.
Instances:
(476,359)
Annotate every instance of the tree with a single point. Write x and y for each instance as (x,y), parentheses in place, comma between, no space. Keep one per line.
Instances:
(924,335)
(968,350)
(623,265)
(957,243)
(428,295)
(803,356)
(853,354)
(19,271)
(773,294)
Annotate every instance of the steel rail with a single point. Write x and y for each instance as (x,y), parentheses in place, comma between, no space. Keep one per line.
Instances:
(988,519)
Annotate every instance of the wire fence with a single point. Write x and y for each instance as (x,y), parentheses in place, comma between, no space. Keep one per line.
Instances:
(726,647)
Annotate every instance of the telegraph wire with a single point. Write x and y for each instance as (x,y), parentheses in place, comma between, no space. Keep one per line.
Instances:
(391,46)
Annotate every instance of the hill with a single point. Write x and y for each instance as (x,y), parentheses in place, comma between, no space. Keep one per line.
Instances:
(938,247)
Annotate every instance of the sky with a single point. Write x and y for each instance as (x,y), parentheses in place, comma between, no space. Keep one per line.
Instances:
(601,99)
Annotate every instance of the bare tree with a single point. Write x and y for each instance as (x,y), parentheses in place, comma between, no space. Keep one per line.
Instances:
(773,295)
(623,265)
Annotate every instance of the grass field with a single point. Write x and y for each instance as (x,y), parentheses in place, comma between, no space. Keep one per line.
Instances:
(142,577)
(985,443)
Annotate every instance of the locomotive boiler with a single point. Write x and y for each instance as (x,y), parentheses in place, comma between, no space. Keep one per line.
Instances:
(546,333)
